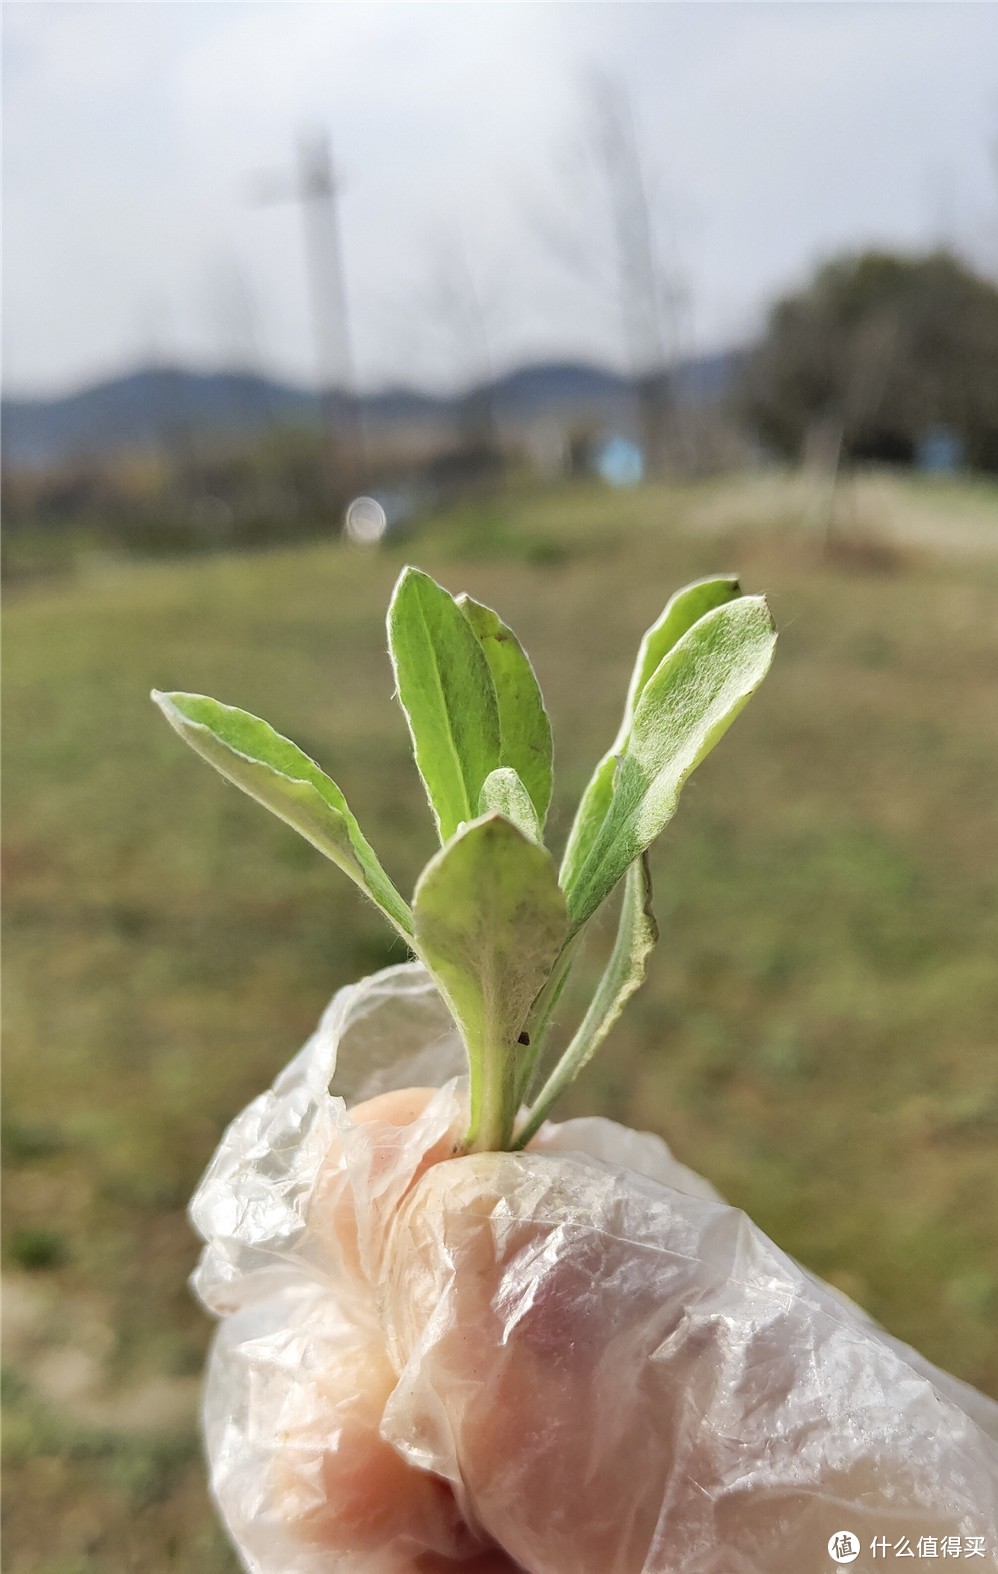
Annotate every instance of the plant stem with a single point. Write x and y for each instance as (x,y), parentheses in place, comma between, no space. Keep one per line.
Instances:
(493,1111)
(637,933)
(541,1017)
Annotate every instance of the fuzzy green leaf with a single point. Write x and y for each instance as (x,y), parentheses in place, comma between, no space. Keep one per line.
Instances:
(524,728)
(682,610)
(490,923)
(637,933)
(589,816)
(275,772)
(504,793)
(685,707)
(446,691)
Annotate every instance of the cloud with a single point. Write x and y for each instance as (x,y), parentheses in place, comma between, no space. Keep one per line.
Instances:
(776,133)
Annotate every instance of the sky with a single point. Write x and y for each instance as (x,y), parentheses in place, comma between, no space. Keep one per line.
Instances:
(475,218)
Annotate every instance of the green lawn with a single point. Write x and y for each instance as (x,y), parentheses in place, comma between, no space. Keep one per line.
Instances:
(817,1036)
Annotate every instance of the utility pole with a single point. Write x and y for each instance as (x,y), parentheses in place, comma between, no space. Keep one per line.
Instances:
(650,295)
(315,188)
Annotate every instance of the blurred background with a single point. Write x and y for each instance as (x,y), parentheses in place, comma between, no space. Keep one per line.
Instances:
(569,304)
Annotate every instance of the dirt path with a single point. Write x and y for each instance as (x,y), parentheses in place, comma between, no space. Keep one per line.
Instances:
(956,522)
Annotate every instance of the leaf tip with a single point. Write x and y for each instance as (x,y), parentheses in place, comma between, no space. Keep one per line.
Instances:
(409,573)
(756,604)
(405,577)
(767,609)
(165,702)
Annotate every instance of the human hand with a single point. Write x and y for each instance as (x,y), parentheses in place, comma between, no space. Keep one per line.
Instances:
(550,1362)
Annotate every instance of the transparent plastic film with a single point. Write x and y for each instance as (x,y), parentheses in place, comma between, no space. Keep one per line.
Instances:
(572,1360)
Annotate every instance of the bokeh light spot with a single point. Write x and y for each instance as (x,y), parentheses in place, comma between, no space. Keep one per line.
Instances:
(366,520)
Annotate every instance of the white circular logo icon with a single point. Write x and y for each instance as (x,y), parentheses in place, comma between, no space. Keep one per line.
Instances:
(843,1547)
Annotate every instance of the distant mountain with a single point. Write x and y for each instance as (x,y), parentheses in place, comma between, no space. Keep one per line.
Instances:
(153,406)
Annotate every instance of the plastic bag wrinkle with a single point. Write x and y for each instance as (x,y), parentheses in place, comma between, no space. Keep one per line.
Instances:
(581,1332)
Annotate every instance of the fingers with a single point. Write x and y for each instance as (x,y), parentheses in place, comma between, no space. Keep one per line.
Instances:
(365,1178)
(617,1379)
(341,1488)
(521,1384)
(543,1354)
(338,1486)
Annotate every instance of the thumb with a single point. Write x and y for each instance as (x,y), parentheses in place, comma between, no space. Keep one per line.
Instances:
(617,1378)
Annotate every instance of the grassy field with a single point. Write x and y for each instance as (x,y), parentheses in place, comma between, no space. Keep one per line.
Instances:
(817,1036)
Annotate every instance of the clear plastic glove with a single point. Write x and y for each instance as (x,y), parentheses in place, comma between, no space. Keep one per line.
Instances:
(575,1360)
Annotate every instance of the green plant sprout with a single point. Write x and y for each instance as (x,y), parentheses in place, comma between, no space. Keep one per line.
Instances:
(493,920)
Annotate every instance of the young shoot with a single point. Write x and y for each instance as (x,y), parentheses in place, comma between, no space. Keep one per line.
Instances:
(493,919)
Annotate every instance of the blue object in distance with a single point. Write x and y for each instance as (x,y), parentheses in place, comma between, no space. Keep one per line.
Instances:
(939,451)
(619,461)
